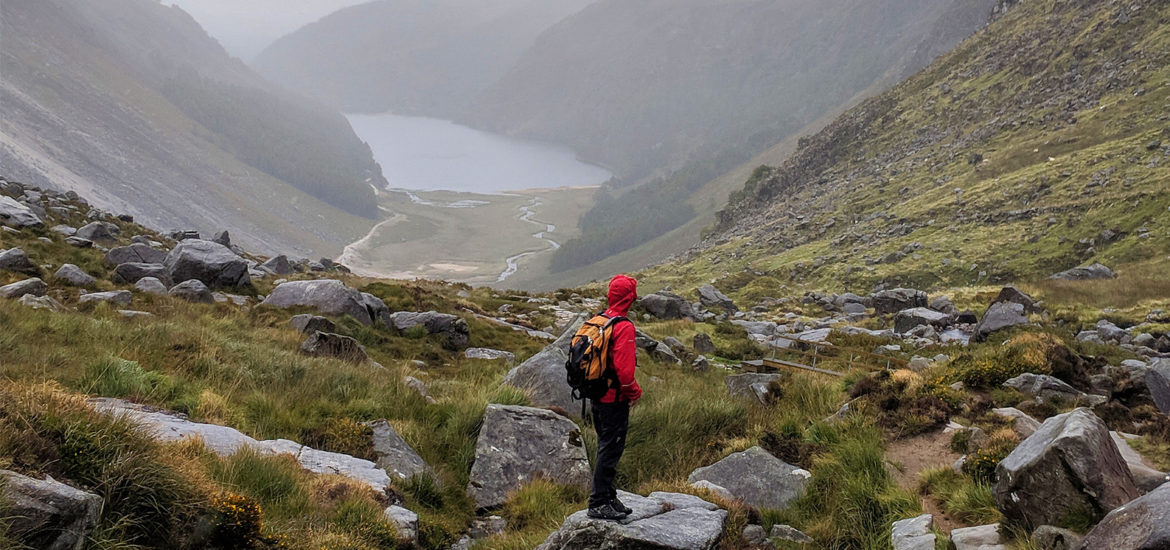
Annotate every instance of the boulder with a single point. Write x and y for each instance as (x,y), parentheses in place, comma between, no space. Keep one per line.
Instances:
(74,276)
(308,324)
(327,344)
(27,287)
(42,302)
(211,263)
(519,444)
(711,297)
(909,319)
(789,533)
(222,237)
(666,306)
(1070,465)
(15,214)
(278,265)
(1013,295)
(14,259)
(1047,537)
(982,537)
(1146,478)
(404,521)
(1094,271)
(395,455)
(131,273)
(749,385)
(998,317)
(756,478)
(379,313)
(1023,424)
(1110,332)
(760,328)
(913,533)
(683,525)
(663,353)
(1158,381)
(78,242)
(122,297)
(136,253)
(98,232)
(899,299)
(490,354)
(1142,524)
(64,230)
(151,285)
(326,296)
(193,291)
(47,514)
(1044,387)
(543,374)
(703,344)
(942,304)
(454,330)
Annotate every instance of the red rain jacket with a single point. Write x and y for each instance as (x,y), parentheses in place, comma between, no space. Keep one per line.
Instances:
(623,291)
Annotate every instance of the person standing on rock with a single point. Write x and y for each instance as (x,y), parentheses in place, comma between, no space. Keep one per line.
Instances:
(611,413)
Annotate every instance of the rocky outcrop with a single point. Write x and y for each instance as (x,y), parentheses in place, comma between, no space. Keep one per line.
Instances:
(1084,273)
(711,297)
(898,299)
(192,291)
(211,263)
(326,296)
(667,306)
(662,521)
(998,317)
(1143,524)
(74,276)
(543,374)
(913,533)
(136,253)
(336,346)
(27,287)
(519,444)
(394,454)
(453,330)
(1069,465)
(756,478)
(46,514)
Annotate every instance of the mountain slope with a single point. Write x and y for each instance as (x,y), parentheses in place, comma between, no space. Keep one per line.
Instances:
(423,57)
(1034,147)
(132,103)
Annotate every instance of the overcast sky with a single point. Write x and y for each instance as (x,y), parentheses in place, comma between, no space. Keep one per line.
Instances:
(245,27)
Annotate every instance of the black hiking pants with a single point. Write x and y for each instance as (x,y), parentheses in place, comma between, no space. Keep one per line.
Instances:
(612,421)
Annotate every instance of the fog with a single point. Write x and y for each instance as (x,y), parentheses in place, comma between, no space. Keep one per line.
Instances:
(245,27)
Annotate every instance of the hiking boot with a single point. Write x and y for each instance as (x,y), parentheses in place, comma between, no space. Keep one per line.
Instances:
(606,511)
(617,505)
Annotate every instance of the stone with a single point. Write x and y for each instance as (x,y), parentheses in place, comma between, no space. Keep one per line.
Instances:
(15,260)
(1013,295)
(490,354)
(47,514)
(913,533)
(78,242)
(278,265)
(132,314)
(942,304)
(703,344)
(667,306)
(123,297)
(711,297)
(756,478)
(451,328)
(1047,537)
(99,232)
(326,296)
(652,526)
(747,385)
(998,317)
(395,455)
(1110,332)
(718,490)
(1023,424)
(403,520)
(982,537)
(151,285)
(1158,381)
(27,287)
(761,328)
(1142,524)
(379,312)
(64,230)
(892,301)
(42,302)
(74,276)
(1094,271)
(1044,388)
(754,535)
(417,385)
(131,273)
(907,320)
(482,528)
(789,533)
(211,263)
(1146,478)
(1070,465)
(136,253)
(700,363)
(308,324)
(15,214)
(223,237)
(543,374)
(664,354)
(678,501)
(192,291)
(336,346)
(519,444)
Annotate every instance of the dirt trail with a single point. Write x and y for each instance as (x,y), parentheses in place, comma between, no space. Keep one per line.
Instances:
(915,454)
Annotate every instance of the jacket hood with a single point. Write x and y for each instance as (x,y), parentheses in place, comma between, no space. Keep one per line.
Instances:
(623,290)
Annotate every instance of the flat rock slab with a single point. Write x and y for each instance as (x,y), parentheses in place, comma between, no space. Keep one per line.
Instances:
(913,533)
(756,478)
(694,526)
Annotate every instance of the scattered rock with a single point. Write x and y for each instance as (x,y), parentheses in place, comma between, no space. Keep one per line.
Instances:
(47,514)
(482,528)
(27,287)
(899,299)
(700,363)
(78,242)
(74,276)
(99,232)
(395,455)
(123,297)
(998,317)
(211,263)
(136,253)
(1094,271)
(711,297)
(42,302)
(327,344)
(490,354)
(651,526)
(703,344)
(755,535)
(1158,381)
(193,291)
(131,273)
(543,374)
(519,444)
(1023,424)
(278,265)
(15,260)
(909,319)
(1145,477)
(308,324)
(667,306)
(326,296)
(752,385)
(983,537)
(1013,295)
(663,353)
(1047,537)
(151,285)
(403,520)
(914,533)
(1142,524)
(756,478)
(15,214)
(377,309)
(223,238)
(1044,387)
(789,533)
(454,330)
(1069,465)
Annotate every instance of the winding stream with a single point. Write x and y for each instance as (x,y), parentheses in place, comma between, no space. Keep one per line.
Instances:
(513,261)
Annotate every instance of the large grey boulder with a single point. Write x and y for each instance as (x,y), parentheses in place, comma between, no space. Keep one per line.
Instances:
(122,297)
(898,299)
(213,264)
(998,317)
(278,265)
(379,312)
(308,324)
(1158,381)
(913,533)
(98,232)
(192,290)
(454,330)
(336,346)
(74,276)
(756,478)
(1011,294)
(1044,388)
(667,306)
(543,374)
(136,253)
(151,285)
(326,296)
(15,259)
(519,444)
(711,297)
(46,514)
(663,521)
(27,287)
(751,385)
(1084,273)
(910,319)
(15,214)
(131,273)
(395,455)
(1070,465)
(1142,524)
(1145,477)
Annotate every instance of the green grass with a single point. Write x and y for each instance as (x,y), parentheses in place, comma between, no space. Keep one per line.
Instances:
(961,497)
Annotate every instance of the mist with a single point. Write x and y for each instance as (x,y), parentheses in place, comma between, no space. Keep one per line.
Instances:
(244,28)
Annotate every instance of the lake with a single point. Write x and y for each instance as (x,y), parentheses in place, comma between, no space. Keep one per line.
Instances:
(432,154)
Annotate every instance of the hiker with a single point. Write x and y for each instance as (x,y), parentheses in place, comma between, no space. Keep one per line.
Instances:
(611,413)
